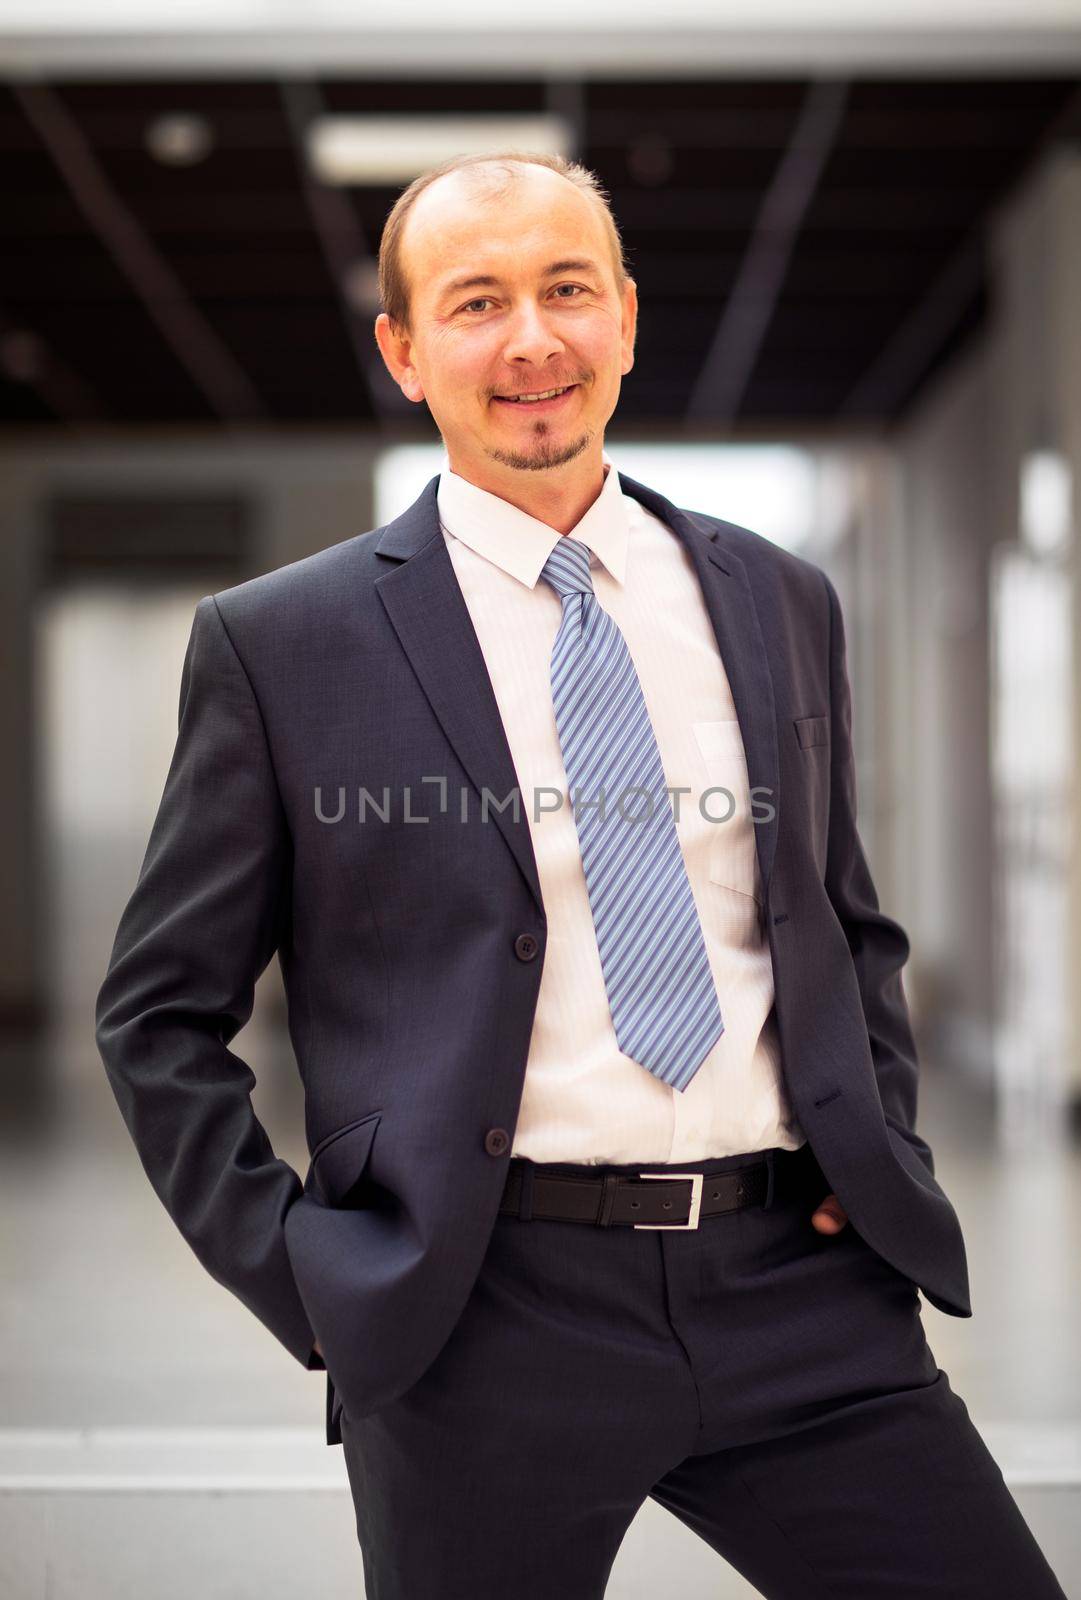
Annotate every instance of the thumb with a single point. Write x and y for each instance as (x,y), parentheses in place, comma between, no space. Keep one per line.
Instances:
(830,1215)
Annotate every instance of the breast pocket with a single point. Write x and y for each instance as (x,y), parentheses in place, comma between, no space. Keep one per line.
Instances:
(733,858)
(812,731)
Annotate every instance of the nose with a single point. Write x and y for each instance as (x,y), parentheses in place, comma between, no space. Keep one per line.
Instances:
(531,336)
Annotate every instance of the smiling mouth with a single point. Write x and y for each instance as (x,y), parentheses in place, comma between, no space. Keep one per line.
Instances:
(539,397)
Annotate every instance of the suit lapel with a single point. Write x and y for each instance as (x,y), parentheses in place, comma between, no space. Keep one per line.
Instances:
(426,606)
(428,612)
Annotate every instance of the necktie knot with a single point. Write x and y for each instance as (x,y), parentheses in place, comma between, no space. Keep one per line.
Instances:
(567,568)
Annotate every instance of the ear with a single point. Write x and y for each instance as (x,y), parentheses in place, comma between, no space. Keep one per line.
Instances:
(629,322)
(396,348)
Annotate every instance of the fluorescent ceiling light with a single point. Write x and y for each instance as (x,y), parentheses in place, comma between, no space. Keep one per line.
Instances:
(363,149)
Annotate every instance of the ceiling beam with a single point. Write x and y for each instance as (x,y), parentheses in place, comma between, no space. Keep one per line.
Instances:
(28,360)
(344,248)
(750,304)
(205,359)
(911,348)
(670,43)
(910,351)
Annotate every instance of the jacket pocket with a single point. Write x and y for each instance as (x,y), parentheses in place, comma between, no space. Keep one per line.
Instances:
(338,1161)
(811,731)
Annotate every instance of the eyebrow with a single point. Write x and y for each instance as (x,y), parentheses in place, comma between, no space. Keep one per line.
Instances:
(487,281)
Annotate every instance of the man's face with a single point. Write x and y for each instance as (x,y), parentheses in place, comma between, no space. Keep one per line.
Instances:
(511,297)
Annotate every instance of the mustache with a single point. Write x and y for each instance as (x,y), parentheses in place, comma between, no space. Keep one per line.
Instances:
(537,388)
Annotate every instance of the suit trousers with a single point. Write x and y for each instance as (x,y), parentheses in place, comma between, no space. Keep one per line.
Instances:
(770,1385)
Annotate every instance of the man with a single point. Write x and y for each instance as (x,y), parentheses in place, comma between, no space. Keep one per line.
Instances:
(544,795)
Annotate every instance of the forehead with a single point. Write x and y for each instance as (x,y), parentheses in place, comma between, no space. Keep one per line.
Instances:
(457,225)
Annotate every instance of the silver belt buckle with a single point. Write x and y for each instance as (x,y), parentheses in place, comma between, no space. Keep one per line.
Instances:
(696,1199)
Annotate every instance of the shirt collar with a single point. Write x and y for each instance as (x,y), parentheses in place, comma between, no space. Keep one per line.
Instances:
(521,544)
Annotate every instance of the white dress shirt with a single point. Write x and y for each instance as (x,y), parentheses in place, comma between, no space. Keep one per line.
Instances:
(584,1100)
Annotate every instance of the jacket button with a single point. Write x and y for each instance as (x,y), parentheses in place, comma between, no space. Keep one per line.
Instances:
(525,947)
(496,1141)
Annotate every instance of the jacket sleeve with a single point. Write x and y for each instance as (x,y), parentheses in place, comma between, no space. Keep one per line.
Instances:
(879,945)
(201,925)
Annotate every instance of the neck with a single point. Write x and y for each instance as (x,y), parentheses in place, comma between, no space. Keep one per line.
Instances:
(559,497)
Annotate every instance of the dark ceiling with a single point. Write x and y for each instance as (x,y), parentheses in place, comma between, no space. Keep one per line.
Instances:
(805,253)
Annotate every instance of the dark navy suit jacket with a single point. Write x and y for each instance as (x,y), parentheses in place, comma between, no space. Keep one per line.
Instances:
(411,952)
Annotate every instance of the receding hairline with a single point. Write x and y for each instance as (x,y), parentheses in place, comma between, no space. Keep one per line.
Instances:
(489,179)
(498,174)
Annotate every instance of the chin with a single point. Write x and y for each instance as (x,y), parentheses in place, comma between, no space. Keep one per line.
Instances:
(542,452)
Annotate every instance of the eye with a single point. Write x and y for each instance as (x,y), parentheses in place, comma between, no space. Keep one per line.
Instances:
(484,300)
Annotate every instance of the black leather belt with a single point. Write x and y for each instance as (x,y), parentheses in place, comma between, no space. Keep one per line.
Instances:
(648,1200)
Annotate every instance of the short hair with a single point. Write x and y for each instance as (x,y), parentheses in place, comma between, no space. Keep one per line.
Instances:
(393,284)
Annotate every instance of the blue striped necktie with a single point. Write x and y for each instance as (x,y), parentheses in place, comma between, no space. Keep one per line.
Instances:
(656,970)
